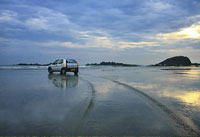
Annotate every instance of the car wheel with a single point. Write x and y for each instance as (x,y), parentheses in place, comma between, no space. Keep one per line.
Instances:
(76,73)
(50,71)
(62,72)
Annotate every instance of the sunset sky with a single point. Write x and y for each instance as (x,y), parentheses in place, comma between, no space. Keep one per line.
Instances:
(128,31)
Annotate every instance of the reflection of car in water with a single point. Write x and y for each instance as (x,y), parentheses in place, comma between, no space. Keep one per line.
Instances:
(63,81)
(63,66)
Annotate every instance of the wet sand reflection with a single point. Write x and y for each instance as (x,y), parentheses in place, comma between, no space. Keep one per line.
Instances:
(63,81)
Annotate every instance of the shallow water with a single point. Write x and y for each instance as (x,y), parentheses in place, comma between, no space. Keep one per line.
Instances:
(100,101)
(176,87)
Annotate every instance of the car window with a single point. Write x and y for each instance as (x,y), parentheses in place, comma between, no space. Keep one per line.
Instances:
(70,61)
(60,61)
(56,62)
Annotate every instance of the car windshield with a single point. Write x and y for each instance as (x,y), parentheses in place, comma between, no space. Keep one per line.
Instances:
(70,61)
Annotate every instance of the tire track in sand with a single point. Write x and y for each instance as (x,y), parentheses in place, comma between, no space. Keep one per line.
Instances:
(89,106)
(91,102)
(170,113)
(164,108)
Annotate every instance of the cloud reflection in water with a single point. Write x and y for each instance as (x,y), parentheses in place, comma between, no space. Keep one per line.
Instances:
(63,81)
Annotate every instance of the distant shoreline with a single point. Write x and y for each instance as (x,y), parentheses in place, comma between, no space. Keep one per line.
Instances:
(177,61)
(111,64)
(32,64)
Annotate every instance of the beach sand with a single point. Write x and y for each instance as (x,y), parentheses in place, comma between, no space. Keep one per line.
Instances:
(111,101)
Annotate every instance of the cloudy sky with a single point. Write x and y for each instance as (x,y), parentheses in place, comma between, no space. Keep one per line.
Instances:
(129,31)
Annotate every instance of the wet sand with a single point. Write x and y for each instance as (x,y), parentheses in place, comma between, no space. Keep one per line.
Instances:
(94,103)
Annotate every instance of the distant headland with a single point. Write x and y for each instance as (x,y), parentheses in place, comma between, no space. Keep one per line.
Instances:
(173,61)
(111,64)
(177,61)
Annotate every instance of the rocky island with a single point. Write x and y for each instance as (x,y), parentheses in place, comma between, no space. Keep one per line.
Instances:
(175,61)
(111,64)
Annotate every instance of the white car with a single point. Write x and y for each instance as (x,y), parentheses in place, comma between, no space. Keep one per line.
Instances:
(63,66)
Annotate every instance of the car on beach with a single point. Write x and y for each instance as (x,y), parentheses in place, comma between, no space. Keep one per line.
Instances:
(63,66)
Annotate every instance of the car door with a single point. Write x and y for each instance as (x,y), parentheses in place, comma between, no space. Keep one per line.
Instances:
(59,64)
(54,65)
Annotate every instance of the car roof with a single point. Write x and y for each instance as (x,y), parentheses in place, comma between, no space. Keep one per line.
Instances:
(70,59)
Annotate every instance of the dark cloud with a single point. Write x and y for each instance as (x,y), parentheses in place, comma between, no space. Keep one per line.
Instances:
(93,24)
